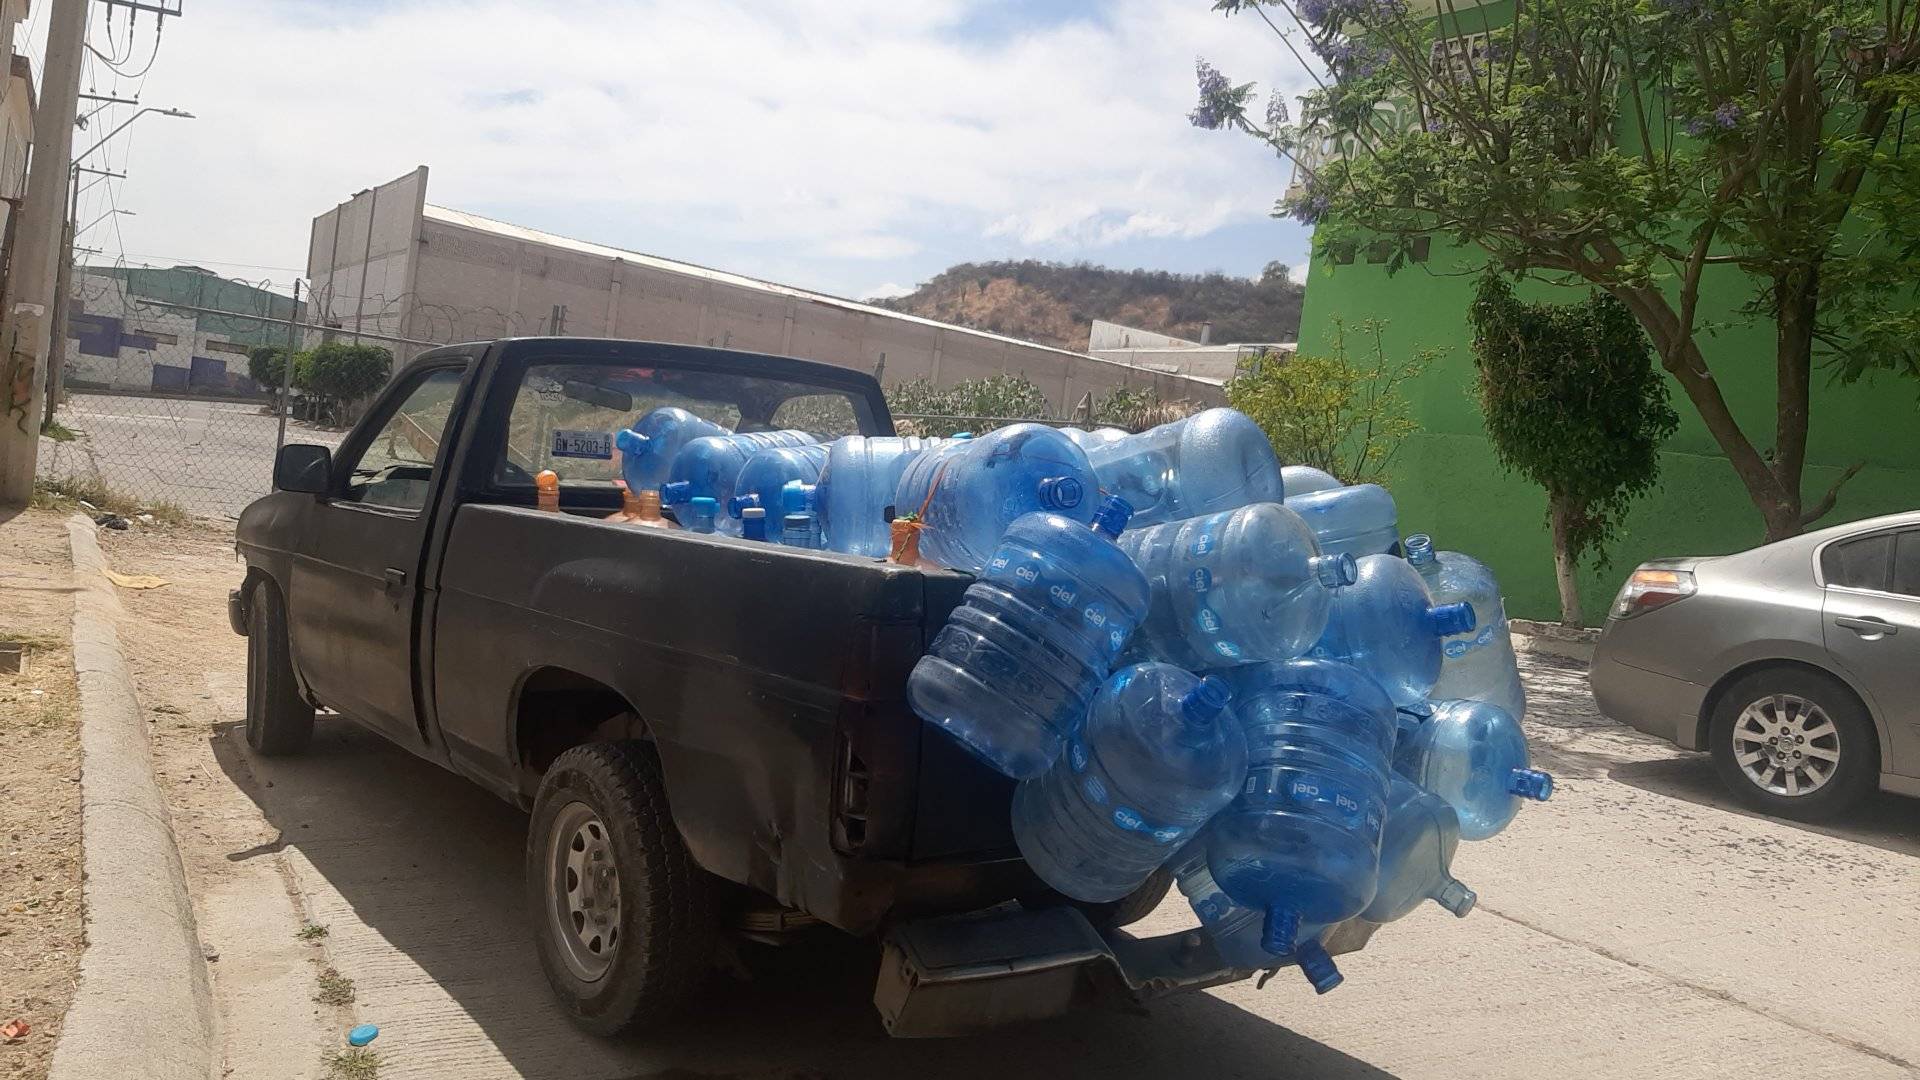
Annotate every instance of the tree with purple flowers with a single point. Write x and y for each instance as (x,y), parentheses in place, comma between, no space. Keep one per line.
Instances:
(1639,146)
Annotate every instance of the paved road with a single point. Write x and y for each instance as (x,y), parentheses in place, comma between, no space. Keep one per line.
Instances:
(1636,926)
(210,457)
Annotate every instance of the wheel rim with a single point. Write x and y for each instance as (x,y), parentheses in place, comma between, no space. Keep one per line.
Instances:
(1786,745)
(583,891)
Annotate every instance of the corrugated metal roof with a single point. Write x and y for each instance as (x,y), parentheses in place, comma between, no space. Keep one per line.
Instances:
(448,216)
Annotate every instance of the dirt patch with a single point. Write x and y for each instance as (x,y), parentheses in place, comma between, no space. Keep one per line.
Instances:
(41,935)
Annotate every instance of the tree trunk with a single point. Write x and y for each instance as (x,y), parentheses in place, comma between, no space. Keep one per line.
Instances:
(1559,518)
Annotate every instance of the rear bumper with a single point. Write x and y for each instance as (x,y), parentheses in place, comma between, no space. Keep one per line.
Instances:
(1647,701)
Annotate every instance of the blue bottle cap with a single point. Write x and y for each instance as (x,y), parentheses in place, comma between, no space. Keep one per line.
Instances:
(1317,966)
(795,495)
(1061,492)
(737,506)
(1112,517)
(631,442)
(1531,784)
(1206,700)
(1281,927)
(1448,619)
(961,435)
(362,1035)
(753,523)
(1419,549)
(677,492)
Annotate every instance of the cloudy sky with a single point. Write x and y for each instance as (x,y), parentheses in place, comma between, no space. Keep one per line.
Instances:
(855,146)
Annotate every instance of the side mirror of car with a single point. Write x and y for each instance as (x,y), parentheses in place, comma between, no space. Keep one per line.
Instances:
(303,467)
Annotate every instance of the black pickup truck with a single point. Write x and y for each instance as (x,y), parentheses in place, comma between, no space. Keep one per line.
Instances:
(711,735)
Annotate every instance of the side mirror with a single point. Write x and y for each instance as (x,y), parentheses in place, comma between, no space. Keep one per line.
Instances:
(303,467)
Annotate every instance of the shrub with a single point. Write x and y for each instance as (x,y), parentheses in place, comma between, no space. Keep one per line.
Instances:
(1346,416)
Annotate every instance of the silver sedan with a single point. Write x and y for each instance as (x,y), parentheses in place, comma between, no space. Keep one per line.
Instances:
(1796,665)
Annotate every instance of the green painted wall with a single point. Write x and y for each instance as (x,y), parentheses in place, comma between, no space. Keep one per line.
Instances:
(1446,481)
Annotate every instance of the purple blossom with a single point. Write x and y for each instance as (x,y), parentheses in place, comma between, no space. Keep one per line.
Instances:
(1315,12)
(1696,126)
(1309,209)
(1209,113)
(1276,110)
(1727,116)
(1436,125)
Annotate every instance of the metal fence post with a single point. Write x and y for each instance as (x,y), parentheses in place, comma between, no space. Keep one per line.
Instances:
(286,368)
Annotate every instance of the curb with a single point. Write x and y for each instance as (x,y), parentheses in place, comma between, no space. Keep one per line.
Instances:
(144,1006)
(1574,643)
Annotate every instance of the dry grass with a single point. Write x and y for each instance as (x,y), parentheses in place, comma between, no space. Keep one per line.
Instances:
(58,494)
(333,988)
(358,1063)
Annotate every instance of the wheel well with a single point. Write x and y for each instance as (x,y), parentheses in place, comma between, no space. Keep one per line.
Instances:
(557,710)
(1719,690)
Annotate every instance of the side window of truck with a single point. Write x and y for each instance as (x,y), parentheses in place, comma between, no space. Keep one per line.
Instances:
(396,468)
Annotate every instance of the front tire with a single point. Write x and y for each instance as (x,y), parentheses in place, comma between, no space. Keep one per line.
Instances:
(279,720)
(1794,743)
(623,919)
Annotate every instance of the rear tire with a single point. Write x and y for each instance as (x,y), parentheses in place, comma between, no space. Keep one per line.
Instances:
(624,921)
(279,720)
(1110,914)
(1794,743)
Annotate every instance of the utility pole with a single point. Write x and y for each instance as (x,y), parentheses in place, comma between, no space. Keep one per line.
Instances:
(286,368)
(26,337)
(62,290)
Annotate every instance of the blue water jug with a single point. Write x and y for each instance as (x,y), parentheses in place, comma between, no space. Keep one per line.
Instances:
(856,489)
(1301,843)
(1092,440)
(1211,461)
(1158,755)
(1305,480)
(753,524)
(1386,625)
(968,492)
(710,465)
(648,447)
(799,525)
(1416,856)
(1479,666)
(1234,587)
(1473,755)
(701,512)
(1233,928)
(1359,520)
(767,471)
(1015,668)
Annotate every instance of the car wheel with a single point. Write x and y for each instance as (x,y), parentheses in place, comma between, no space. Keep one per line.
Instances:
(1110,914)
(623,919)
(279,720)
(1794,743)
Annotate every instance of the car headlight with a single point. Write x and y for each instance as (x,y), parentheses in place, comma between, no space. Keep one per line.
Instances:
(1651,587)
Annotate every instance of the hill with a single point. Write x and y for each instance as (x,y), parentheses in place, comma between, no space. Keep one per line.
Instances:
(1056,303)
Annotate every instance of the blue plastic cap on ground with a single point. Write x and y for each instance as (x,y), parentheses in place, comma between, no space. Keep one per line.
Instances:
(677,492)
(1061,492)
(1419,548)
(1282,927)
(1531,784)
(1335,570)
(737,506)
(363,1035)
(1450,619)
(1112,517)
(630,441)
(961,435)
(1317,966)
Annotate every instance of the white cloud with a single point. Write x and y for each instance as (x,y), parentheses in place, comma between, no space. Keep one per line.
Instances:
(808,131)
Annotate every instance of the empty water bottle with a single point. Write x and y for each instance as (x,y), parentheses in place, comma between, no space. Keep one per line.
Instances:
(648,447)
(767,471)
(856,488)
(1305,480)
(701,512)
(1211,461)
(1479,666)
(1473,755)
(799,526)
(1234,587)
(1416,856)
(1158,755)
(1386,625)
(1301,843)
(710,465)
(1234,929)
(1016,666)
(1359,520)
(1091,440)
(967,493)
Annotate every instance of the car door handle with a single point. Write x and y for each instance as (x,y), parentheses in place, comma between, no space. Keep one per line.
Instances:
(1866,625)
(396,580)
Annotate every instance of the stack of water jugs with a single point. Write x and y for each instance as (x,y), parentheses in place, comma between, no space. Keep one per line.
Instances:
(1188,655)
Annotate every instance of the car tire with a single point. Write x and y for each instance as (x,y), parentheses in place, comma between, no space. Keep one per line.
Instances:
(1110,914)
(1794,702)
(279,720)
(602,837)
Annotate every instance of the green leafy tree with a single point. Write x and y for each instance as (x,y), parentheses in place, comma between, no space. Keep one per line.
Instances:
(930,410)
(1345,415)
(1574,403)
(1643,147)
(267,365)
(339,374)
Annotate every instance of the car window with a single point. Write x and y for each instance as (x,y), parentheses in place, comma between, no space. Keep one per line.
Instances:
(1906,563)
(1858,564)
(396,468)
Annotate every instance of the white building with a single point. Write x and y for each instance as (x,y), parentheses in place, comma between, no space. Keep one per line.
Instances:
(1166,354)
(136,328)
(386,261)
